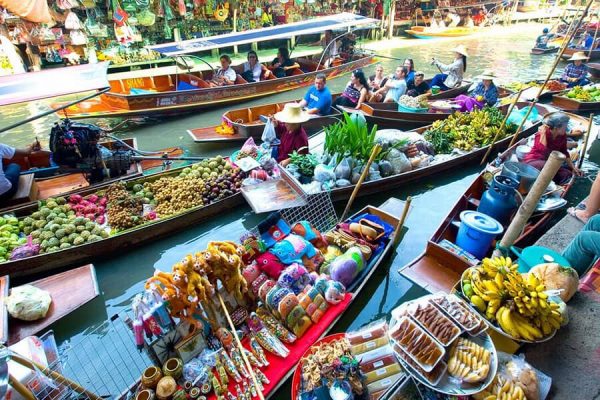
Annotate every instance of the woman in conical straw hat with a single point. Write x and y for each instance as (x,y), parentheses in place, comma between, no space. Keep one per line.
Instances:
(289,130)
(484,94)
(575,73)
(451,74)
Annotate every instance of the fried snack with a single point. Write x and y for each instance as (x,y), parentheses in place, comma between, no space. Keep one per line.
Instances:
(321,355)
(418,344)
(501,388)
(432,376)
(469,361)
(436,323)
(460,313)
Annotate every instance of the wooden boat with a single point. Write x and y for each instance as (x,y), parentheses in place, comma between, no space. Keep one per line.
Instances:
(246,123)
(438,269)
(593,54)
(423,32)
(164,95)
(563,102)
(82,287)
(594,70)
(547,50)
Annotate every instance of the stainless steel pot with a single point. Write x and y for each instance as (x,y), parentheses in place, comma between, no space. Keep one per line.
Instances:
(525,174)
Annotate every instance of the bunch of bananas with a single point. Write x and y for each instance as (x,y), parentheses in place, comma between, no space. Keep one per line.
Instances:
(469,361)
(501,388)
(225,129)
(518,303)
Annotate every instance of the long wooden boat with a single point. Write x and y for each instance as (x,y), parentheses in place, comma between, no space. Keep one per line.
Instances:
(438,269)
(422,32)
(547,50)
(81,288)
(563,102)
(591,54)
(594,70)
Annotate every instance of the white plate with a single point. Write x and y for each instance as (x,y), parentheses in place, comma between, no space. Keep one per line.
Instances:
(550,204)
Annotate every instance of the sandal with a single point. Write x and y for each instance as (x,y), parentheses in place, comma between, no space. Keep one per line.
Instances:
(572,211)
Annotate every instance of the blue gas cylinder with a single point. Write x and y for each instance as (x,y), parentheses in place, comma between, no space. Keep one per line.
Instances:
(499,201)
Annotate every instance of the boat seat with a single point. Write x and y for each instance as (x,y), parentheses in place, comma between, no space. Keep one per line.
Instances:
(26,192)
(239,80)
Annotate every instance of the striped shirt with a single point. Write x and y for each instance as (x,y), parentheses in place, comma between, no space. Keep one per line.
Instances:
(574,71)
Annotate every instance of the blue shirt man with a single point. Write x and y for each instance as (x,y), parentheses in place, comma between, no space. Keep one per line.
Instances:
(318,98)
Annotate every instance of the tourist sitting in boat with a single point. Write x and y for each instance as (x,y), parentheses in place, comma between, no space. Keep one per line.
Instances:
(542,41)
(575,73)
(395,87)
(9,176)
(584,249)
(410,67)
(586,42)
(451,75)
(452,19)
(225,75)
(437,22)
(266,19)
(552,136)
(355,92)
(289,130)
(468,22)
(484,94)
(418,86)
(283,63)
(253,70)
(590,206)
(376,82)
(317,100)
(347,46)
(331,47)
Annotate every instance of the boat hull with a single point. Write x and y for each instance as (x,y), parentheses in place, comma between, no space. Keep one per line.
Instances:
(548,50)
(593,55)
(568,104)
(594,70)
(421,32)
(170,103)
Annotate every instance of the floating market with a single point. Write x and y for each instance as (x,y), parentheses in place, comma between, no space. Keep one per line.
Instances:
(354,200)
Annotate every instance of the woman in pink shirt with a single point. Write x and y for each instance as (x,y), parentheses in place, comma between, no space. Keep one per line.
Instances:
(291,134)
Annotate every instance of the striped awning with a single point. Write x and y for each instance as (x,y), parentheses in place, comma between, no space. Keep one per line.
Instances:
(317,25)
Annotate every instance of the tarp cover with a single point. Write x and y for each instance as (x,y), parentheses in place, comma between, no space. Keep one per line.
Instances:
(317,25)
(53,82)
(31,10)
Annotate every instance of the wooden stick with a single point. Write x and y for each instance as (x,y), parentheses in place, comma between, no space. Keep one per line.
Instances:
(20,388)
(510,109)
(374,153)
(402,219)
(32,365)
(240,347)
(586,140)
(530,203)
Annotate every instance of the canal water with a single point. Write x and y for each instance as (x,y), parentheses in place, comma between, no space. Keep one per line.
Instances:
(122,275)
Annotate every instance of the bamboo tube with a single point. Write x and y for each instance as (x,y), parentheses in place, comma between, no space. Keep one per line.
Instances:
(241,348)
(374,153)
(20,388)
(402,219)
(510,109)
(54,375)
(586,140)
(530,202)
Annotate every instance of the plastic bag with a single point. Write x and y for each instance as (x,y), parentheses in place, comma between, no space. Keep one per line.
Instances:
(400,163)
(28,303)
(249,147)
(29,249)
(324,173)
(342,183)
(524,376)
(343,169)
(269,134)
(516,116)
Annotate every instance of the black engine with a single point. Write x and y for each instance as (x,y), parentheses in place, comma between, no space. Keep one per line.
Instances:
(75,145)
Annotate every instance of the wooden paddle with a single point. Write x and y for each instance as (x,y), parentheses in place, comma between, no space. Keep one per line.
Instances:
(585,140)
(374,153)
(510,109)
(402,220)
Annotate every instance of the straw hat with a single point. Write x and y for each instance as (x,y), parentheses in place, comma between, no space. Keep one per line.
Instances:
(292,114)
(488,74)
(579,55)
(461,50)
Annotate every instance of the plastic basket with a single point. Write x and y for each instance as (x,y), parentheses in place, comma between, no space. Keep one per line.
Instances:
(404,108)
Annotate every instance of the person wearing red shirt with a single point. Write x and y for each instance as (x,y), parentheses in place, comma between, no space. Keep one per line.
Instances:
(552,136)
(289,131)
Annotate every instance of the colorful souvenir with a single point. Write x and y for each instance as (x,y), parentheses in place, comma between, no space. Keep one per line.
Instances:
(294,277)
(346,267)
(230,366)
(308,232)
(273,229)
(262,377)
(274,326)
(265,338)
(253,360)
(236,357)
(333,291)
(225,337)
(258,351)
(292,248)
(269,264)
(222,373)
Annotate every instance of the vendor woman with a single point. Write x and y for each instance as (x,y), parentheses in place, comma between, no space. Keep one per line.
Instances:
(451,75)
(289,130)
(552,136)
(484,94)
(9,176)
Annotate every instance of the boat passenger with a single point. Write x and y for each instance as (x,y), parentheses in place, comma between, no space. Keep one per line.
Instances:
(584,249)
(575,73)
(590,206)
(376,82)
(289,130)
(317,100)
(451,75)
(586,42)
(347,46)
(542,41)
(484,94)
(266,19)
(355,92)
(418,86)
(253,70)
(225,75)
(283,63)
(410,66)
(454,19)
(330,47)
(551,136)
(9,176)
(395,87)
(468,22)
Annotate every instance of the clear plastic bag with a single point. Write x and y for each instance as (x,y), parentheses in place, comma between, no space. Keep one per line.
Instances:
(324,173)
(343,169)
(524,375)
(269,135)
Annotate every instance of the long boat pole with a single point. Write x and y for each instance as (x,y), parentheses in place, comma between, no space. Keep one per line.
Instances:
(586,140)
(374,153)
(550,73)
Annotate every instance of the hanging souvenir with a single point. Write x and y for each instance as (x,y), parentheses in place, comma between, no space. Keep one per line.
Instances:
(93,27)
(221,13)
(88,4)
(66,4)
(146,18)
(123,34)
(181,7)
(72,21)
(137,36)
(78,38)
(120,16)
(142,3)
(167,32)
(168,12)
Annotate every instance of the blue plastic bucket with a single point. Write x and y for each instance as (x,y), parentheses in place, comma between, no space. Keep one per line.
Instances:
(477,232)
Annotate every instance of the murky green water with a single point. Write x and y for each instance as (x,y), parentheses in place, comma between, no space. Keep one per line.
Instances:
(121,276)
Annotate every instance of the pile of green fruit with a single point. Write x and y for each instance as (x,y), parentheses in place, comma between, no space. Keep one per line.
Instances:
(124,209)
(466,131)
(9,236)
(588,93)
(55,227)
